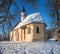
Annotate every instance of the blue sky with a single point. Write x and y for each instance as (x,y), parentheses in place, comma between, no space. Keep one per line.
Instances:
(41,8)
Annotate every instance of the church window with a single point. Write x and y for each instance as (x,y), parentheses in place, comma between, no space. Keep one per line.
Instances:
(37,29)
(29,30)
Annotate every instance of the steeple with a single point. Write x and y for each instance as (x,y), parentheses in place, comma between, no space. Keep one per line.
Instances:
(23,9)
(23,14)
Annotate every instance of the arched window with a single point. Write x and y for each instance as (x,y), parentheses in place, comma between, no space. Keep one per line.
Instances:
(37,29)
(29,30)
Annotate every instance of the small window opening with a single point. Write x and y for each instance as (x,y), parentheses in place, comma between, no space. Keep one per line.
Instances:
(37,30)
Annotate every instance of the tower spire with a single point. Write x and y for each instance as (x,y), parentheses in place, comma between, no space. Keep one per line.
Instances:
(23,14)
(23,9)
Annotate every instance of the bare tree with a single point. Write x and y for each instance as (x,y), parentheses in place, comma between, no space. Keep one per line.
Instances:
(6,17)
(53,7)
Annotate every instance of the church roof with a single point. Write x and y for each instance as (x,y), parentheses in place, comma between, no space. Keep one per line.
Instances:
(32,18)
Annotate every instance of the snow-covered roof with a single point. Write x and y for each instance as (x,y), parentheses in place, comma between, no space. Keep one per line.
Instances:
(35,17)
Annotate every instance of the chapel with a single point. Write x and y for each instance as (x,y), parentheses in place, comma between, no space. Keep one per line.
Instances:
(31,28)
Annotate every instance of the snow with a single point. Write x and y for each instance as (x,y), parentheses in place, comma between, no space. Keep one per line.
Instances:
(29,48)
(35,17)
(52,39)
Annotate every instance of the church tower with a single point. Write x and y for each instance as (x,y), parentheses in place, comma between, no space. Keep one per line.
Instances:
(23,14)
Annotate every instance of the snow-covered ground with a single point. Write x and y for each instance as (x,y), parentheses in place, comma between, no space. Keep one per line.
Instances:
(30,48)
